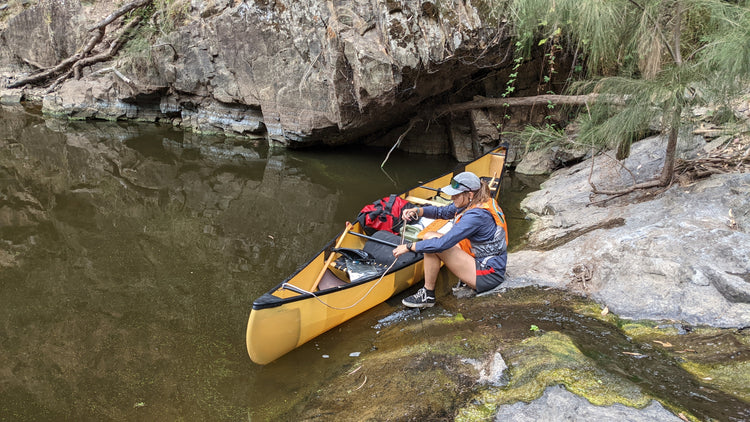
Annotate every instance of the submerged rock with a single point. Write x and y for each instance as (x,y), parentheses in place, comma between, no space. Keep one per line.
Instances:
(476,359)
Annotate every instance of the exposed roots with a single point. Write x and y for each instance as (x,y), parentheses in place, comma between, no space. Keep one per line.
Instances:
(734,158)
(87,56)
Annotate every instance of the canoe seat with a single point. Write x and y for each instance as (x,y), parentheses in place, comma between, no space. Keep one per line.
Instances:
(329,281)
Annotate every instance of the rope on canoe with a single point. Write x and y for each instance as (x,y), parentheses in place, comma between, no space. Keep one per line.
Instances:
(298,290)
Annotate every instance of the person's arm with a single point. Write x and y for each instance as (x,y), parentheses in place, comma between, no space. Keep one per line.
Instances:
(469,224)
(440,213)
(430,211)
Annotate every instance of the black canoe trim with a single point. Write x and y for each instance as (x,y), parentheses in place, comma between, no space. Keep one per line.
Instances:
(268,300)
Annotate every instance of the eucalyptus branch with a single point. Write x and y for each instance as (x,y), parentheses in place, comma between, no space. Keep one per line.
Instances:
(119,12)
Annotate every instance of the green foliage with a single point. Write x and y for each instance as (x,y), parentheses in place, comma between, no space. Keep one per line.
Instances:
(172,14)
(139,47)
(590,26)
(537,138)
(159,18)
(646,60)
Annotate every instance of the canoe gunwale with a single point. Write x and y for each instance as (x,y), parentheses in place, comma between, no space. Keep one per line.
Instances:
(267,300)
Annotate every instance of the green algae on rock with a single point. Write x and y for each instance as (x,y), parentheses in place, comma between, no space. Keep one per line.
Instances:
(718,357)
(553,359)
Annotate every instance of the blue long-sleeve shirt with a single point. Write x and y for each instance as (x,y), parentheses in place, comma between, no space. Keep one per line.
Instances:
(477,225)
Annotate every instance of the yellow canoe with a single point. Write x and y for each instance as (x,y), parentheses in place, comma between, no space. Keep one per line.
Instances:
(319,297)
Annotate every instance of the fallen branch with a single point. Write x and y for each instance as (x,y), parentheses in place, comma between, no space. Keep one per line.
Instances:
(119,12)
(619,192)
(400,138)
(114,46)
(62,66)
(482,102)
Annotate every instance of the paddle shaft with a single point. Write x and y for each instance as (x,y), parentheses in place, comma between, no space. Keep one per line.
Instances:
(374,239)
(330,257)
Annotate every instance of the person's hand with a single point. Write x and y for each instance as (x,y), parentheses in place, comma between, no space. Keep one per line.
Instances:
(410,214)
(400,250)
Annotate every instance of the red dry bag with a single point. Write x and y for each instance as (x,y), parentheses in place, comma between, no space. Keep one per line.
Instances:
(383,214)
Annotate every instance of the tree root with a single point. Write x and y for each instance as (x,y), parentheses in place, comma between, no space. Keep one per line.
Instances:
(114,46)
(75,63)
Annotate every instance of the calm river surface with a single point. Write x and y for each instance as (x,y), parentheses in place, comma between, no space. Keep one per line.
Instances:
(130,256)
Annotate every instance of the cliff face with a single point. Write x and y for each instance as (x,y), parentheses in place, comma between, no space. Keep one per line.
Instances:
(295,72)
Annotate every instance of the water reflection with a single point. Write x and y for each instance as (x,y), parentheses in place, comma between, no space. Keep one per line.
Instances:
(130,256)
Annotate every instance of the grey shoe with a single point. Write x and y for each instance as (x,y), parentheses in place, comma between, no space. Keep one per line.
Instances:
(420,299)
(497,289)
(463,291)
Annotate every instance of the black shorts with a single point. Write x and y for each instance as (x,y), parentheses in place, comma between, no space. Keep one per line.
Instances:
(488,277)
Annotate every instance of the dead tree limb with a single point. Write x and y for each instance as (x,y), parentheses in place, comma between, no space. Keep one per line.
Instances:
(63,65)
(481,102)
(114,46)
(119,12)
(412,122)
(74,63)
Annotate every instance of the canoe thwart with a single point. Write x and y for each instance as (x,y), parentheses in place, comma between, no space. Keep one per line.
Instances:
(435,226)
(422,201)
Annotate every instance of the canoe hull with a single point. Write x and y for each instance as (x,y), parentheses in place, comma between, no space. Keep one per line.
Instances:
(273,332)
(290,315)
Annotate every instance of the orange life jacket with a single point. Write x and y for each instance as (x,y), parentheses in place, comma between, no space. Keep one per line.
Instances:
(497,214)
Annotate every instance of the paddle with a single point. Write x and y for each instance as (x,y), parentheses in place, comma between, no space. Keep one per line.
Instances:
(429,188)
(331,256)
(438,190)
(374,239)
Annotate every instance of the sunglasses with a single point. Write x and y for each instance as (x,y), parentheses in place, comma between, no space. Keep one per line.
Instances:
(455,184)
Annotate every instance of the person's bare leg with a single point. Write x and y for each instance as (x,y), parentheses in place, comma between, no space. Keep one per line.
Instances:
(431,264)
(431,270)
(459,263)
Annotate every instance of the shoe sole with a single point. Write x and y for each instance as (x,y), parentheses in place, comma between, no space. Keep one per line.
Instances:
(497,289)
(417,305)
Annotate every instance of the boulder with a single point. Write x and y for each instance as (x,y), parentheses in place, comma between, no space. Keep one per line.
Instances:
(558,404)
(679,253)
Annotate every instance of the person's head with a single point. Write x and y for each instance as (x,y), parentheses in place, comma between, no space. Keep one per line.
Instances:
(467,189)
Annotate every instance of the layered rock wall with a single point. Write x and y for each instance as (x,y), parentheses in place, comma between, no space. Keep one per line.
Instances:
(295,72)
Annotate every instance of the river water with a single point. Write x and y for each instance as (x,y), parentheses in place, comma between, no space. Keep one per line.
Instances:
(130,255)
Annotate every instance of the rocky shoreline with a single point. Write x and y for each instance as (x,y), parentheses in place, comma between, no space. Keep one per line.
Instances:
(682,253)
(677,258)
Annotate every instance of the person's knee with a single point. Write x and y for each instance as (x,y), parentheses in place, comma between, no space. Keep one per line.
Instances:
(431,235)
(453,250)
